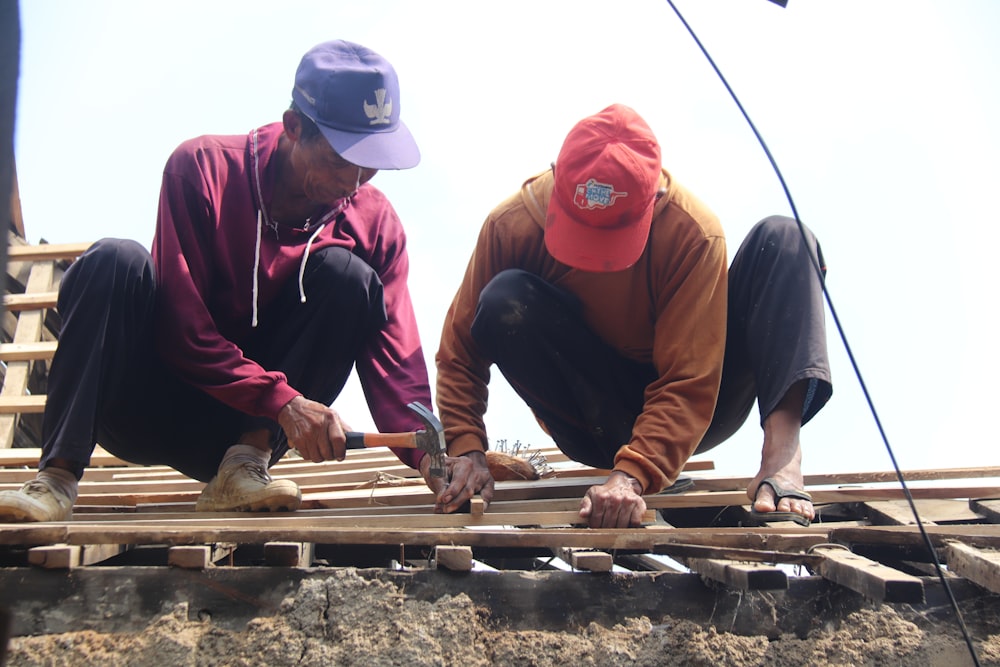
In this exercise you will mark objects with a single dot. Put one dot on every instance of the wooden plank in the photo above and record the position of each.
(27, 351)
(979, 566)
(646, 563)
(452, 557)
(729, 483)
(29, 456)
(28, 331)
(20, 302)
(289, 554)
(22, 404)
(586, 559)
(742, 576)
(667, 541)
(869, 578)
(198, 557)
(931, 511)
(56, 556)
(979, 535)
(418, 493)
(46, 251)
(988, 508)
(68, 556)
(265, 521)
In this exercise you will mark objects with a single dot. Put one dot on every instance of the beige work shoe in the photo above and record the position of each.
(247, 487)
(35, 501)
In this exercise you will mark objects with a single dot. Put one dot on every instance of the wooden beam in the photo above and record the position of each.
(586, 559)
(27, 351)
(742, 576)
(46, 251)
(200, 556)
(29, 456)
(452, 557)
(28, 332)
(669, 542)
(979, 566)
(68, 556)
(22, 404)
(728, 483)
(979, 535)
(19, 302)
(289, 554)
(988, 508)
(869, 578)
(931, 511)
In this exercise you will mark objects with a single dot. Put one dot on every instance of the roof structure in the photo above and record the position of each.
(700, 554)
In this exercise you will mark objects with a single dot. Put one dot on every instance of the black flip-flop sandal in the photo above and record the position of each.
(781, 492)
(680, 486)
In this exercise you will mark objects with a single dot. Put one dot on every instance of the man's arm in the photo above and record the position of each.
(689, 346)
(391, 366)
(188, 338)
(688, 350)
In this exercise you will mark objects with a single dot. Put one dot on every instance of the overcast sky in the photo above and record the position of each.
(882, 117)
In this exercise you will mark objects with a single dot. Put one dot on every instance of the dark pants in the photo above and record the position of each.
(107, 384)
(589, 396)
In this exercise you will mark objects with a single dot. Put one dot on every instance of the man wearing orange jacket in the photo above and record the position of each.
(601, 292)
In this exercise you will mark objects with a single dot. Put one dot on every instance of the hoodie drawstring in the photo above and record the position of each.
(256, 266)
(302, 266)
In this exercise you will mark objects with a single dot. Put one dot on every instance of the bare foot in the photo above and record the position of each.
(781, 459)
(765, 500)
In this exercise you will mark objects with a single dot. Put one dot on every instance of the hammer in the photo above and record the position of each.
(430, 439)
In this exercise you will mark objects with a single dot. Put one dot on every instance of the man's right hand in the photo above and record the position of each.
(469, 474)
(314, 430)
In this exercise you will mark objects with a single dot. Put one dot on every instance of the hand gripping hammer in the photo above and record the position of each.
(430, 439)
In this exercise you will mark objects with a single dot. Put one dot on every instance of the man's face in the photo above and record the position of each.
(327, 177)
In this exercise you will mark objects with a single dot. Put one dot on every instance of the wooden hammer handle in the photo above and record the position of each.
(356, 440)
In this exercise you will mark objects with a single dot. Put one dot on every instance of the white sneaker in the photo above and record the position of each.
(35, 501)
(247, 487)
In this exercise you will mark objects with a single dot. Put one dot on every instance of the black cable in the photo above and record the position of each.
(857, 371)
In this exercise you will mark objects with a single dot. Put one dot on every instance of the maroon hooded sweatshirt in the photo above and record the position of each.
(226, 264)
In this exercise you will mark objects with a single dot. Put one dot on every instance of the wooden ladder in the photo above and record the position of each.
(30, 332)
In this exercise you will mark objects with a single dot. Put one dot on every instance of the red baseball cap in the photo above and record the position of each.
(606, 179)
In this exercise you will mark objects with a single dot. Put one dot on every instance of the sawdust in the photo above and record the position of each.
(348, 620)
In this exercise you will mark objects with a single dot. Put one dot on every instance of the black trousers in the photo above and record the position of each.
(107, 384)
(589, 396)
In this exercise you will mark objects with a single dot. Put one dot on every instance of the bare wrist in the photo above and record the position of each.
(632, 481)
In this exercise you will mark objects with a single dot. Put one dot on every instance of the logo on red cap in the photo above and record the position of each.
(591, 195)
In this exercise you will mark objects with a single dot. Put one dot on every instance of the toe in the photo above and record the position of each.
(765, 499)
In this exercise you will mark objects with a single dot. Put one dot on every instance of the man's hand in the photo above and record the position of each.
(314, 429)
(469, 474)
(617, 503)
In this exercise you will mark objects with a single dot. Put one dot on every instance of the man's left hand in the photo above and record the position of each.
(467, 475)
(617, 503)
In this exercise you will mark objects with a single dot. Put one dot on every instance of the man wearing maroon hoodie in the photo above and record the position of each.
(275, 269)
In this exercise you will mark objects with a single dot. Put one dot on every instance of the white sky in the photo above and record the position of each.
(881, 115)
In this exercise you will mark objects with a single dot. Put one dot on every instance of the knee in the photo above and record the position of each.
(780, 231)
(505, 304)
(115, 253)
(345, 277)
(109, 265)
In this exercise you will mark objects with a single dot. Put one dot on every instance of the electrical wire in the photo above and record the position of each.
(857, 371)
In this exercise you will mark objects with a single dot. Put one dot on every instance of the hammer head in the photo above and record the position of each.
(431, 439)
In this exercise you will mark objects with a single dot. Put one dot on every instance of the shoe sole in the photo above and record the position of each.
(274, 501)
(26, 515)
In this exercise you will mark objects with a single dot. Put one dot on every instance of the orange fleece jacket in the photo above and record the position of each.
(668, 309)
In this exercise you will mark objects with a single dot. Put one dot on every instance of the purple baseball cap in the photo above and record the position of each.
(352, 94)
